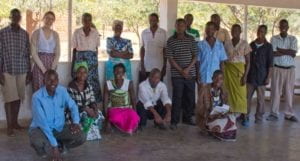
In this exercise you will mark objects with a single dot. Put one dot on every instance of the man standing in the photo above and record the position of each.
(283, 77)
(48, 132)
(152, 52)
(14, 68)
(261, 63)
(182, 54)
(154, 102)
(211, 55)
(221, 33)
(189, 18)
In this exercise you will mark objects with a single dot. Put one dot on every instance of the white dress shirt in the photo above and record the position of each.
(149, 96)
(154, 46)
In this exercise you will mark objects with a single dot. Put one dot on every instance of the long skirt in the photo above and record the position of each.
(125, 119)
(237, 94)
(109, 68)
(38, 76)
(92, 126)
(93, 78)
(224, 128)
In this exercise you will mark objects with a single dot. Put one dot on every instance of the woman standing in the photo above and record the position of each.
(236, 71)
(119, 50)
(45, 50)
(212, 113)
(85, 48)
(82, 93)
(119, 102)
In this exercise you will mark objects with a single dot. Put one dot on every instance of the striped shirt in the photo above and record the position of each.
(14, 51)
(289, 42)
(182, 51)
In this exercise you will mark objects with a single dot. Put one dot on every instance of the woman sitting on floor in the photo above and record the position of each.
(119, 102)
(212, 112)
(82, 93)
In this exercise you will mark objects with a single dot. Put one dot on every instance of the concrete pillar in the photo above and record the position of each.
(168, 14)
(245, 26)
(70, 9)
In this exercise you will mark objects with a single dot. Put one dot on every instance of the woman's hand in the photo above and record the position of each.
(244, 80)
(91, 112)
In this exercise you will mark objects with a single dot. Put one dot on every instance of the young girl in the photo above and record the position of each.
(220, 123)
(119, 102)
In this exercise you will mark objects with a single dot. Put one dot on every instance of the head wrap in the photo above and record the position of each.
(80, 64)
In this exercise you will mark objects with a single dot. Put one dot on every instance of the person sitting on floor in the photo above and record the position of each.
(154, 102)
(119, 102)
(82, 93)
(212, 112)
(48, 133)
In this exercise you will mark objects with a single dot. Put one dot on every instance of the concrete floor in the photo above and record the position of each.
(270, 141)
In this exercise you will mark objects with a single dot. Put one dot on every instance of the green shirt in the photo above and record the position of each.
(192, 32)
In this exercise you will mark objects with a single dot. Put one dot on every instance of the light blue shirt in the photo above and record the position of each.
(210, 59)
(48, 111)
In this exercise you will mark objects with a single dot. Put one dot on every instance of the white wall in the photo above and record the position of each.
(64, 78)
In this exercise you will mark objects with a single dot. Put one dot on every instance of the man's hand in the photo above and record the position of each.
(185, 73)
(158, 119)
(75, 128)
(2, 80)
(28, 78)
(56, 155)
(163, 72)
(143, 71)
(267, 81)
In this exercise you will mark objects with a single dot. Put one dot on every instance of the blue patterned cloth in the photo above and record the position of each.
(120, 45)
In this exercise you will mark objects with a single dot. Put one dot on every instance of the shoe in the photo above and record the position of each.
(160, 126)
(272, 118)
(189, 122)
(245, 123)
(258, 121)
(173, 127)
(140, 128)
(10, 132)
(292, 119)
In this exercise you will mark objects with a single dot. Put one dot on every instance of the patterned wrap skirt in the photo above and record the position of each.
(237, 94)
(38, 76)
(224, 128)
(93, 78)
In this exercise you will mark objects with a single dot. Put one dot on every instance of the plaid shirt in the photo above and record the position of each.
(84, 98)
(14, 51)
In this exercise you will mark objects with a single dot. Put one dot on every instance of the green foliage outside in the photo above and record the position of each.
(134, 13)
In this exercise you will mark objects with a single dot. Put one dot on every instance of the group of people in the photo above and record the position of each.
(226, 69)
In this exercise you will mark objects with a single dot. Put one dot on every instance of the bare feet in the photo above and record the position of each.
(10, 132)
(19, 127)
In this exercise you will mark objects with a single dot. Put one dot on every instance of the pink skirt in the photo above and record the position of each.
(38, 76)
(125, 119)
